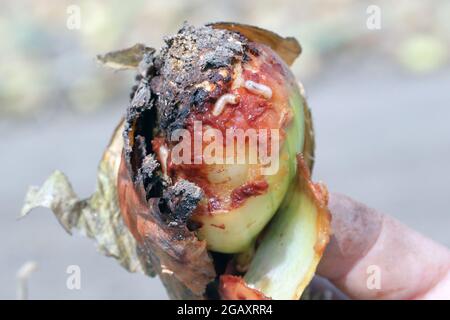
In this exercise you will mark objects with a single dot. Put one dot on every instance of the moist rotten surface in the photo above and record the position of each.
(166, 93)
(171, 87)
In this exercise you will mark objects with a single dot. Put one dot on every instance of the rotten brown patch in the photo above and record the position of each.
(235, 288)
(180, 259)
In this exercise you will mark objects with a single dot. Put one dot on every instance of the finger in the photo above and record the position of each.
(373, 256)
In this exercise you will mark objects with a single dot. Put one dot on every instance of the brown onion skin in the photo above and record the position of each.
(131, 203)
(181, 261)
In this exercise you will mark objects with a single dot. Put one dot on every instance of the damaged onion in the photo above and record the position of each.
(214, 179)
(219, 82)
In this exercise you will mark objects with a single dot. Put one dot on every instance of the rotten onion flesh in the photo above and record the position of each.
(243, 197)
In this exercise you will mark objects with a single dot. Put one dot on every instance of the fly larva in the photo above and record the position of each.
(223, 101)
(258, 88)
(238, 78)
(163, 153)
(166, 270)
(208, 86)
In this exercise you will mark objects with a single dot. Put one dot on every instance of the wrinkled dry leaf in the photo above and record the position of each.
(97, 217)
(125, 59)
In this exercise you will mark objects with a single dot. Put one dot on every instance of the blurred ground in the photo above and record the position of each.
(380, 102)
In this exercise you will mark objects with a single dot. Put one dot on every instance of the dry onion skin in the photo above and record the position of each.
(220, 230)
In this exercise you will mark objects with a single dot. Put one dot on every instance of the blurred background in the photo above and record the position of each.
(379, 90)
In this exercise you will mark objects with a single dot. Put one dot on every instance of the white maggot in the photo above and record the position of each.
(222, 102)
(258, 88)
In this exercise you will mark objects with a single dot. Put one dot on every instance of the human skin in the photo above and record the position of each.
(409, 265)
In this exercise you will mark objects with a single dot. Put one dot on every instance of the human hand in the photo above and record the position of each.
(374, 256)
